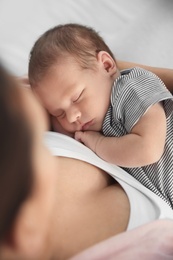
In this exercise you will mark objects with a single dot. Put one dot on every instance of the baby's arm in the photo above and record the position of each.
(142, 146)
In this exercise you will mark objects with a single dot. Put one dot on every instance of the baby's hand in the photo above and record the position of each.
(90, 138)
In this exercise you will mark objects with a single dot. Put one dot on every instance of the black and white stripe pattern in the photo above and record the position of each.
(132, 94)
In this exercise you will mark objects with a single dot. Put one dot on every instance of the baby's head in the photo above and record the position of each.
(71, 68)
(81, 42)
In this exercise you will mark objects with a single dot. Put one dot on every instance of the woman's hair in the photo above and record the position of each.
(16, 177)
(81, 42)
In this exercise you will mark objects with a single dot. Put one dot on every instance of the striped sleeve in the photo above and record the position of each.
(136, 92)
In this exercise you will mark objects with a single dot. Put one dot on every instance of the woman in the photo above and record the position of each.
(55, 207)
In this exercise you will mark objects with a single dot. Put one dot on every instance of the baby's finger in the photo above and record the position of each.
(78, 136)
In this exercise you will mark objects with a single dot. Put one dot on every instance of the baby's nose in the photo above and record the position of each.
(73, 115)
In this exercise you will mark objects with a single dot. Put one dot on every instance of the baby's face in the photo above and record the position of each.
(77, 98)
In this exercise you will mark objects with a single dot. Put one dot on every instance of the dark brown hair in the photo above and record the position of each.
(79, 41)
(15, 153)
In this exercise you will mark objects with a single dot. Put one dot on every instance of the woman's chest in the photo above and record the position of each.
(90, 218)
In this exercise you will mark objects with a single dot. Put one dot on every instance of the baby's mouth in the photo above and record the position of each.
(87, 125)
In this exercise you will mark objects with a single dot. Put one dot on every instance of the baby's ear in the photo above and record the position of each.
(109, 64)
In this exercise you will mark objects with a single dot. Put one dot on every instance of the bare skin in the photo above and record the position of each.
(89, 206)
(73, 204)
(95, 208)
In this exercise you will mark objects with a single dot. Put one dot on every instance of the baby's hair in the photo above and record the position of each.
(78, 41)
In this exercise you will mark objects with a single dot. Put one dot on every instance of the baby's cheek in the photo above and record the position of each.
(56, 127)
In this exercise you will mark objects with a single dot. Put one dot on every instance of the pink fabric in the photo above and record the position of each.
(153, 241)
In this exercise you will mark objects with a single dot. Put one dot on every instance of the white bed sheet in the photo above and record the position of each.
(136, 30)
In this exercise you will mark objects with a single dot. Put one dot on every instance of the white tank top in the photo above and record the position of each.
(145, 206)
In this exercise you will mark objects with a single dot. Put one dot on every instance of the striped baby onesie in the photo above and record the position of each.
(133, 92)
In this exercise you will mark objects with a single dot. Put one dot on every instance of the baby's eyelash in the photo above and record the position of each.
(61, 115)
(78, 97)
